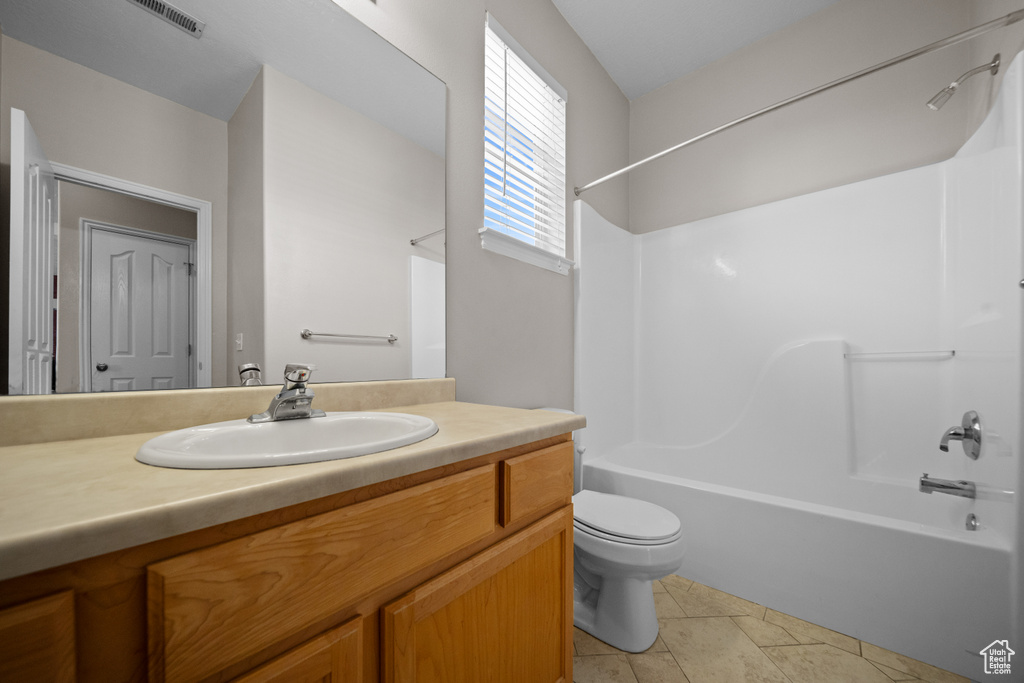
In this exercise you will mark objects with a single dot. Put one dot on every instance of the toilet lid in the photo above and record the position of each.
(624, 517)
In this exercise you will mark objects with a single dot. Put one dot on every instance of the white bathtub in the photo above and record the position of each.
(933, 594)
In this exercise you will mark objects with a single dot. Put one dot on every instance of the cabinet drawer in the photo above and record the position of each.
(536, 482)
(217, 606)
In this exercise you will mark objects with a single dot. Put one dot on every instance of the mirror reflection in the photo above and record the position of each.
(181, 206)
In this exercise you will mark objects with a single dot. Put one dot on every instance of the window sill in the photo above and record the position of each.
(500, 243)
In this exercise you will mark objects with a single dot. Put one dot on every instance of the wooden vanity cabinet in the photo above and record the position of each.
(459, 573)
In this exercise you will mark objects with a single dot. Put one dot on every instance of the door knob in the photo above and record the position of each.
(968, 434)
(102, 367)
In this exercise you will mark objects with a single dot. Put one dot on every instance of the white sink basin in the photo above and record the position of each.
(238, 443)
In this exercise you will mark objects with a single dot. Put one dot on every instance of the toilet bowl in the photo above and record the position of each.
(621, 545)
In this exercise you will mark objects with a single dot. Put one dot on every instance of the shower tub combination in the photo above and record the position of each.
(788, 425)
(763, 519)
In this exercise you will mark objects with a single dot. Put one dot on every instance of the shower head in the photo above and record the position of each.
(943, 96)
(940, 99)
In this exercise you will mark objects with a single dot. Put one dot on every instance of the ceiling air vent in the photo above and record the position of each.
(172, 15)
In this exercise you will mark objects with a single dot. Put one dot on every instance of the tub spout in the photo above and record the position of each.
(964, 489)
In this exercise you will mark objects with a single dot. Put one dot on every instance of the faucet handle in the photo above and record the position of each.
(249, 374)
(952, 434)
(968, 433)
(299, 373)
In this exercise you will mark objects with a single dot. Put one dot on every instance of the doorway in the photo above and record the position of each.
(200, 212)
(32, 341)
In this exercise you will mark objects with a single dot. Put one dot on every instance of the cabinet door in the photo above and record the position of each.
(334, 657)
(37, 640)
(504, 615)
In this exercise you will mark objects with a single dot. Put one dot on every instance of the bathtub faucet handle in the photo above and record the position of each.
(952, 434)
(968, 434)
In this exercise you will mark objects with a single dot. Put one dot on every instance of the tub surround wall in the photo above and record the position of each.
(721, 297)
(741, 389)
(607, 275)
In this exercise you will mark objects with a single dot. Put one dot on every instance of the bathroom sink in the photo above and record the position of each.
(238, 443)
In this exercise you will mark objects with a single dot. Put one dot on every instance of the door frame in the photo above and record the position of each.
(203, 346)
(87, 226)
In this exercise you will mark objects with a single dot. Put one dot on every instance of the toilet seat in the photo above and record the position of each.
(624, 520)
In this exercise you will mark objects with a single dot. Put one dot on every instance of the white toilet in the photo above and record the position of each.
(620, 545)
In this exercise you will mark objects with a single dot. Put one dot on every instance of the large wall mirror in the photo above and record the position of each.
(191, 192)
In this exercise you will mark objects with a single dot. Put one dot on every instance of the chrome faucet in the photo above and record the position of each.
(964, 489)
(294, 401)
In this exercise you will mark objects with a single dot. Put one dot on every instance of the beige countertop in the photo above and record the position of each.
(63, 501)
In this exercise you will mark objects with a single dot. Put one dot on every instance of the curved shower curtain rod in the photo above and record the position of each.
(1011, 18)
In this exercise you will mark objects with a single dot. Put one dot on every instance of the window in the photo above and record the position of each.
(524, 156)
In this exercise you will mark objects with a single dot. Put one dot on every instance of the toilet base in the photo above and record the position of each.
(620, 613)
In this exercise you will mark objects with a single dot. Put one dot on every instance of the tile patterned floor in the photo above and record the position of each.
(708, 636)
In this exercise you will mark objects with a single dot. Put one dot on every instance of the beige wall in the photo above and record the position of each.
(870, 127)
(245, 233)
(91, 121)
(1007, 41)
(78, 202)
(510, 325)
(342, 196)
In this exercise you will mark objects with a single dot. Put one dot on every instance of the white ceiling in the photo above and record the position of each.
(644, 44)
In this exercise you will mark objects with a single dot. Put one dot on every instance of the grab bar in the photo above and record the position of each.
(390, 339)
(901, 355)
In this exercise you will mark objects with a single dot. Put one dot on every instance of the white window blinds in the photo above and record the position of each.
(524, 152)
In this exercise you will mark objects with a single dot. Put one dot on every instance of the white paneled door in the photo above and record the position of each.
(33, 242)
(139, 310)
